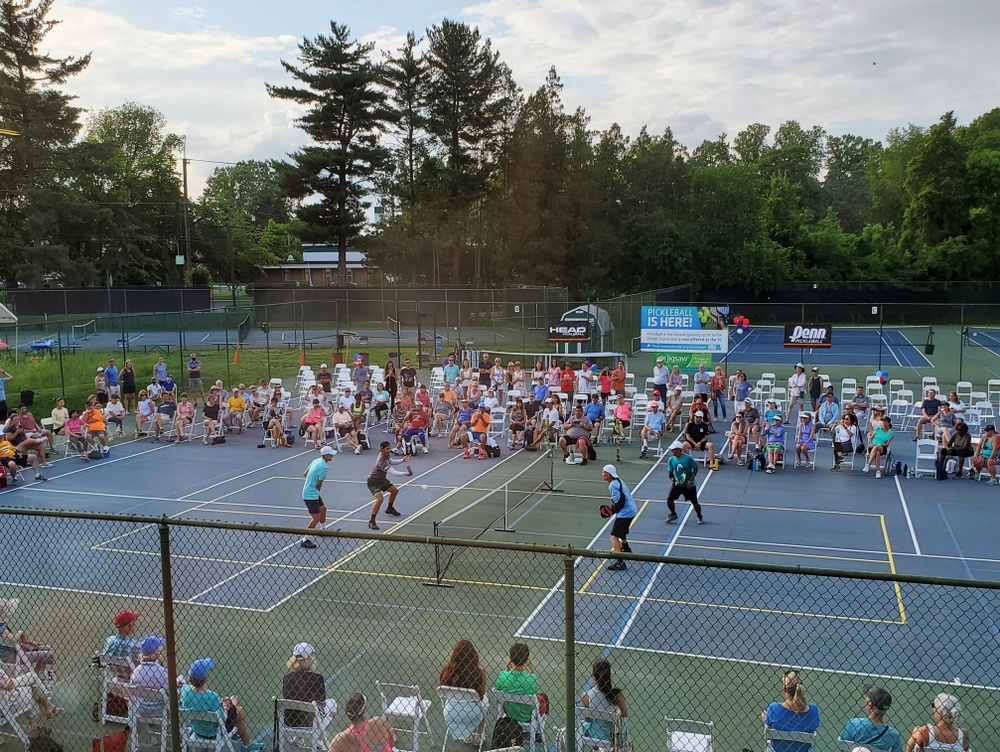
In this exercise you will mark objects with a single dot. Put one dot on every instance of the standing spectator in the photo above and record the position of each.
(793, 714)
(718, 392)
(360, 374)
(567, 380)
(127, 378)
(945, 733)
(624, 509)
(324, 378)
(815, 389)
(160, 371)
(101, 386)
(485, 371)
(498, 377)
(741, 388)
(702, 383)
(195, 384)
(4, 378)
(872, 730)
(618, 377)
(408, 376)
(519, 678)
(796, 388)
(661, 374)
(303, 683)
(391, 382)
(451, 370)
(467, 375)
(466, 720)
(112, 378)
(605, 697)
(584, 382)
(555, 375)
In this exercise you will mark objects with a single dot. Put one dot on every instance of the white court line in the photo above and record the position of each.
(767, 664)
(361, 549)
(205, 337)
(558, 587)
(906, 513)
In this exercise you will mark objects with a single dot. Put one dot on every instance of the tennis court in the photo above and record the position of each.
(677, 634)
(856, 346)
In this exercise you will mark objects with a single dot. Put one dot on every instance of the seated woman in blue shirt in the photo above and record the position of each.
(794, 714)
(774, 440)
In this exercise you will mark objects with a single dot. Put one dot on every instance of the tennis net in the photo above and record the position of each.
(83, 331)
(493, 510)
(244, 330)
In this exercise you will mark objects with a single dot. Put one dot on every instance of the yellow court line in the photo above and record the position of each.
(892, 568)
(793, 554)
(731, 607)
(599, 568)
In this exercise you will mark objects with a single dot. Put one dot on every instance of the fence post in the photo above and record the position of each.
(62, 376)
(569, 601)
(168, 621)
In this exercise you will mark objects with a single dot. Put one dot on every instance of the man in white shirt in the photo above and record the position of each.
(115, 412)
(347, 400)
(796, 388)
(583, 378)
(490, 400)
(661, 374)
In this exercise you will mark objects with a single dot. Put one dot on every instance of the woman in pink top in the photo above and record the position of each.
(555, 376)
(424, 397)
(362, 734)
(75, 430)
(185, 416)
(312, 423)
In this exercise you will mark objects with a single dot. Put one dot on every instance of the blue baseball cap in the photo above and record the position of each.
(151, 644)
(200, 668)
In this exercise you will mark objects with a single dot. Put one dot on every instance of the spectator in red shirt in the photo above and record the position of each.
(567, 380)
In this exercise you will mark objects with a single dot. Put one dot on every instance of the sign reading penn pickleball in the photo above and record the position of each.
(569, 331)
(684, 329)
(813, 335)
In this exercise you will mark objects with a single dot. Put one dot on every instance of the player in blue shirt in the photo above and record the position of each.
(652, 428)
(315, 475)
(624, 509)
(682, 469)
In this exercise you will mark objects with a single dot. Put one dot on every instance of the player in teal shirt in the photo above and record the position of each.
(682, 469)
(315, 475)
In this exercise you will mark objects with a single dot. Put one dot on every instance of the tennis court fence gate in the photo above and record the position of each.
(706, 641)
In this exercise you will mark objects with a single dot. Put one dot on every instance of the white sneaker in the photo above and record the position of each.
(864, 469)
(425, 450)
(878, 474)
(357, 450)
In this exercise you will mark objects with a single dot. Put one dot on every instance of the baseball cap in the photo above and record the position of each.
(990, 427)
(322, 365)
(699, 414)
(151, 644)
(678, 389)
(675, 445)
(99, 369)
(879, 698)
(816, 370)
(748, 401)
(125, 617)
(303, 650)
(328, 452)
(610, 470)
(777, 416)
(384, 444)
(200, 668)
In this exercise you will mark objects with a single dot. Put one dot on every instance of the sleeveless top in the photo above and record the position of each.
(361, 733)
(936, 744)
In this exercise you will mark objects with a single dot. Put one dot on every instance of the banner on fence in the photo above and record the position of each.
(569, 331)
(683, 329)
(817, 335)
(687, 362)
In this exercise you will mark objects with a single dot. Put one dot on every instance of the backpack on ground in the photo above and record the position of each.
(492, 451)
(951, 466)
(289, 437)
(4, 480)
(363, 441)
(218, 440)
(940, 470)
(95, 454)
(507, 733)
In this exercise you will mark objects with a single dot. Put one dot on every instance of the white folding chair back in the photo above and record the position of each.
(310, 737)
(993, 391)
(17, 708)
(148, 711)
(848, 387)
(683, 735)
(533, 728)
(894, 386)
(964, 391)
(465, 698)
(191, 742)
(800, 737)
(405, 710)
(116, 673)
(925, 458)
(585, 743)
(872, 383)
(929, 382)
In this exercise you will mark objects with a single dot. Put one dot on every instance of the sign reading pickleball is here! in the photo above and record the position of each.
(811, 335)
(686, 329)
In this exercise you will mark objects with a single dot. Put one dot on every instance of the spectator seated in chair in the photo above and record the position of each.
(97, 431)
(595, 414)
(945, 733)
(312, 423)
(210, 417)
(519, 678)
(872, 731)
(17, 436)
(362, 734)
(185, 417)
(343, 424)
(805, 442)
(738, 437)
(518, 421)
(958, 445)
(774, 442)
(880, 441)
(928, 409)
(829, 413)
(944, 423)
(75, 432)
(123, 644)
(274, 416)
(197, 696)
(38, 655)
(31, 429)
(416, 430)
(577, 432)
(986, 455)
(14, 459)
(303, 683)
(235, 406)
(151, 673)
(751, 415)
(673, 406)
(164, 416)
(114, 412)
(479, 427)
(603, 696)
(380, 402)
(696, 437)
(652, 428)
(444, 410)
(466, 719)
(144, 413)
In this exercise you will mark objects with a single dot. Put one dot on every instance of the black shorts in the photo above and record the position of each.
(957, 452)
(314, 505)
(21, 460)
(621, 526)
(345, 430)
(690, 493)
(374, 488)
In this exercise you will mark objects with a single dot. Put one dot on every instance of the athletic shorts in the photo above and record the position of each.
(313, 505)
(477, 436)
(688, 492)
(374, 488)
(620, 528)
(345, 430)
(195, 384)
(115, 390)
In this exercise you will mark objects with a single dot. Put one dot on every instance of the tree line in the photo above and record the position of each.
(477, 181)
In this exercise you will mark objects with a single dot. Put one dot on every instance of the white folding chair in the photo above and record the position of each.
(894, 386)
(683, 735)
(17, 711)
(964, 391)
(311, 721)
(800, 737)
(192, 742)
(588, 743)
(993, 391)
(405, 710)
(149, 712)
(927, 453)
(470, 706)
(929, 382)
(848, 388)
(533, 728)
(115, 676)
(873, 383)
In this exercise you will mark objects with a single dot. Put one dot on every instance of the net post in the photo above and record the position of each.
(438, 566)
(505, 527)
(550, 484)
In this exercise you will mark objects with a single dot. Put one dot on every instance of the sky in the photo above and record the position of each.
(700, 67)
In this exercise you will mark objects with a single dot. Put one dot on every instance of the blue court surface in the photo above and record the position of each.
(856, 346)
(988, 339)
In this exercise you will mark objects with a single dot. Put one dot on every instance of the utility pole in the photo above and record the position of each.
(187, 226)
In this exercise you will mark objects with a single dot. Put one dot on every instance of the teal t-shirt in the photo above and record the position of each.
(207, 701)
(879, 737)
(881, 437)
(518, 683)
(681, 467)
(315, 475)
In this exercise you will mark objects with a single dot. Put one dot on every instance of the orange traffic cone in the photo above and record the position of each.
(236, 357)
(302, 357)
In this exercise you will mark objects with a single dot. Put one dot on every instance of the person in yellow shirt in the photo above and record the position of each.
(11, 460)
(236, 404)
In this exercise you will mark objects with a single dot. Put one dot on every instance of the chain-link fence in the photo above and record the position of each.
(246, 612)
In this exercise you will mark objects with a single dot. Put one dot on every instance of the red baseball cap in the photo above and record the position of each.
(125, 617)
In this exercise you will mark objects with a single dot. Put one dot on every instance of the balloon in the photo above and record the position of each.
(739, 330)
(746, 322)
(882, 380)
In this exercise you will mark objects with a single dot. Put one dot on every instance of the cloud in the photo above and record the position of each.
(194, 13)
